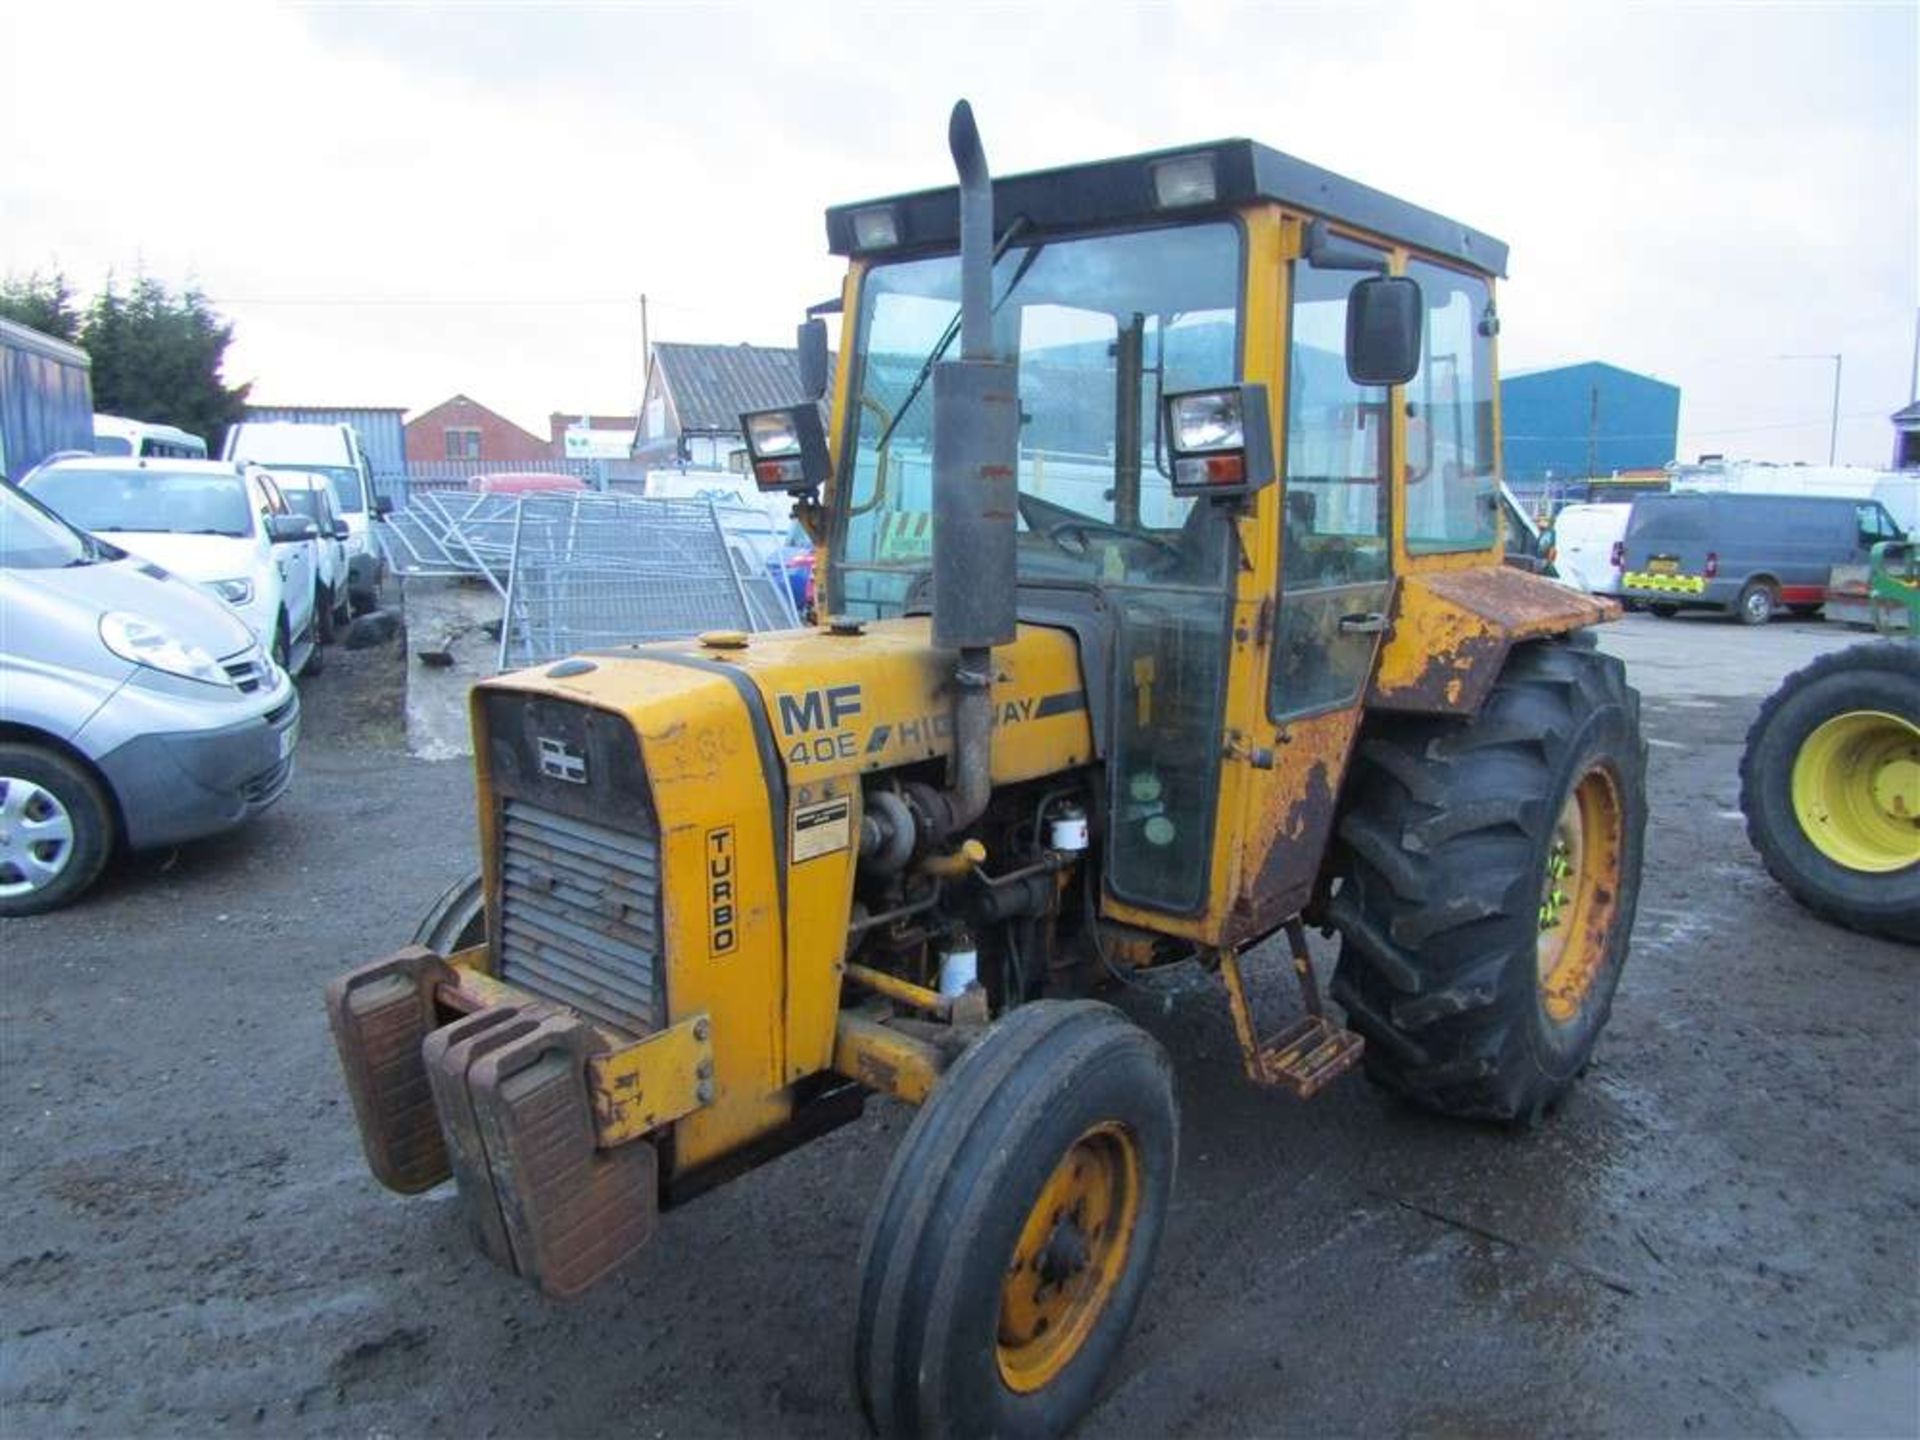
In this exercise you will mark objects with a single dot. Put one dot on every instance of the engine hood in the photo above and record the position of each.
(832, 704)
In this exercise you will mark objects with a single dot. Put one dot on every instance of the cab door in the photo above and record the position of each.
(1332, 599)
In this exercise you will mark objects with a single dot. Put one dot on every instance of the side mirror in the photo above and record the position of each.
(288, 529)
(1384, 315)
(382, 506)
(340, 530)
(812, 336)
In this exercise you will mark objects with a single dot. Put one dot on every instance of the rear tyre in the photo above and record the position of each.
(1016, 1228)
(1830, 786)
(457, 920)
(56, 830)
(1490, 871)
(1803, 612)
(1756, 604)
(1665, 612)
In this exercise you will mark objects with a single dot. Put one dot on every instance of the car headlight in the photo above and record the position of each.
(145, 643)
(234, 592)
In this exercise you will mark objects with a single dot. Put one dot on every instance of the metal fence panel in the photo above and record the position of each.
(593, 571)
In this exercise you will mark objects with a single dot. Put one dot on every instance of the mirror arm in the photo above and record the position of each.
(1325, 252)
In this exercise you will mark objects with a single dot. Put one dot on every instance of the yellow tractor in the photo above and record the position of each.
(1156, 504)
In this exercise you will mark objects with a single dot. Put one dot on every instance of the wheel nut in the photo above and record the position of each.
(705, 1092)
(702, 1028)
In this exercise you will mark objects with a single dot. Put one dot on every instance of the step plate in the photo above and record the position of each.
(380, 1013)
(1309, 1054)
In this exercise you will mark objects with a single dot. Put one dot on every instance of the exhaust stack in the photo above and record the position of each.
(976, 440)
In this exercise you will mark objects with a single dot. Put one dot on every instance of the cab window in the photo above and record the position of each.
(1451, 463)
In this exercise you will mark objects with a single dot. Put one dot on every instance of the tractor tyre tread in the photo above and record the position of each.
(1441, 858)
(916, 1358)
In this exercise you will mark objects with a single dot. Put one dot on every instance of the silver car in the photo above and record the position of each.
(135, 710)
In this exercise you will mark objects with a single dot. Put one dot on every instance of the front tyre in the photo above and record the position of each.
(457, 920)
(1830, 786)
(1490, 874)
(56, 830)
(1016, 1228)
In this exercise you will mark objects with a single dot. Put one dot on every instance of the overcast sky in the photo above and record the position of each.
(397, 202)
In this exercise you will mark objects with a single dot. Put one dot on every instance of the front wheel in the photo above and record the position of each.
(1830, 786)
(1016, 1228)
(56, 830)
(457, 920)
(1491, 869)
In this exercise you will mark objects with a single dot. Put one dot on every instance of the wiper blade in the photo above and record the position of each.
(947, 336)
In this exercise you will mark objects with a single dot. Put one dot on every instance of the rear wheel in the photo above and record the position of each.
(1756, 604)
(1830, 786)
(1665, 612)
(56, 830)
(1490, 874)
(1016, 1228)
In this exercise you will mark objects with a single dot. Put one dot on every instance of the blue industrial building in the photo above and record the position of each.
(1590, 420)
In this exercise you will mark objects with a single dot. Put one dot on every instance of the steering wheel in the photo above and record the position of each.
(1086, 528)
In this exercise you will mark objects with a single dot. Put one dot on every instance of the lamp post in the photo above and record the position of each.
(1833, 430)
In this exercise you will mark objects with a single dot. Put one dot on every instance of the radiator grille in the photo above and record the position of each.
(580, 914)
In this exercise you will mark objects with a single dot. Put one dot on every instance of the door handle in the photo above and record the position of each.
(1368, 624)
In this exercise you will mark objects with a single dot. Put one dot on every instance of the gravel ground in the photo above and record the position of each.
(1715, 1235)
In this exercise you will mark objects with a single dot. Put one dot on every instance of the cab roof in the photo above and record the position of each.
(1107, 192)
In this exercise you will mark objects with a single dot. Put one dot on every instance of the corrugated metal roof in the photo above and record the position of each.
(712, 384)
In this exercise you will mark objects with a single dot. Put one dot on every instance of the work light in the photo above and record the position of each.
(875, 229)
(786, 449)
(1219, 440)
(1184, 180)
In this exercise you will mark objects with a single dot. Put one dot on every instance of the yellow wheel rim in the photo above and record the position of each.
(1579, 895)
(1069, 1258)
(1856, 791)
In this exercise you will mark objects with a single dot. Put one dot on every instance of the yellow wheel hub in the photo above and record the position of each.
(1579, 895)
(1856, 791)
(1069, 1258)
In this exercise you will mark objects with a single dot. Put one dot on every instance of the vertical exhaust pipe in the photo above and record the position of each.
(976, 443)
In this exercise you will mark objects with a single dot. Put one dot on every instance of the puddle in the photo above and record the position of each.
(1858, 1393)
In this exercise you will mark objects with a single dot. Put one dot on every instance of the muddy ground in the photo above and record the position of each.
(1716, 1235)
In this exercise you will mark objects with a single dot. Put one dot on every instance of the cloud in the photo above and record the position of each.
(396, 202)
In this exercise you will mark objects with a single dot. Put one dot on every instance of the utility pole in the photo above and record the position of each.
(1833, 429)
(1833, 432)
(1913, 376)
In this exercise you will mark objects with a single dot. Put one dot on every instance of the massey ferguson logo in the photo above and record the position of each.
(559, 761)
(723, 926)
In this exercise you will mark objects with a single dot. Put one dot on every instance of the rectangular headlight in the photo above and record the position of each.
(772, 433)
(1207, 420)
(787, 449)
(1184, 180)
(1220, 441)
(875, 229)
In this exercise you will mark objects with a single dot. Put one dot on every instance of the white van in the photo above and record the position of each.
(225, 527)
(116, 435)
(1584, 545)
(332, 450)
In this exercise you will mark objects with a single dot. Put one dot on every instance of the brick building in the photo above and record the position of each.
(464, 429)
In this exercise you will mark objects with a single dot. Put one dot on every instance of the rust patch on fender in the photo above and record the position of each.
(1452, 630)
